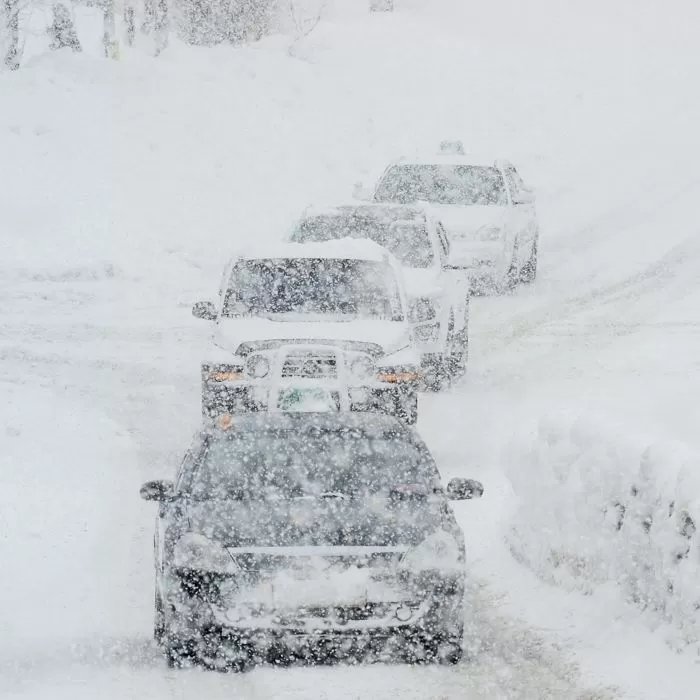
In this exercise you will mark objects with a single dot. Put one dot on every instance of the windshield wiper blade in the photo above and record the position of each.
(334, 494)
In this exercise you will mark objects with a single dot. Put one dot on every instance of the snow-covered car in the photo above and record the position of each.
(299, 326)
(419, 242)
(308, 533)
(486, 208)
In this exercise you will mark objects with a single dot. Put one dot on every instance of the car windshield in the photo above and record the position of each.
(407, 239)
(353, 289)
(283, 464)
(442, 184)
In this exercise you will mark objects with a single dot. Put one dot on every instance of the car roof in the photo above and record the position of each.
(340, 249)
(369, 423)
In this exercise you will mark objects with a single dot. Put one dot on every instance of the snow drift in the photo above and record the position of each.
(597, 507)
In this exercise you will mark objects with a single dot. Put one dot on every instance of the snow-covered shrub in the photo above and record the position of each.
(597, 507)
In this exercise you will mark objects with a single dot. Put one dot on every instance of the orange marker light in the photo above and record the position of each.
(225, 421)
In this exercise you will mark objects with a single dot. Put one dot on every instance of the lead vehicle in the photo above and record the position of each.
(324, 534)
(299, 326)
(486, 208)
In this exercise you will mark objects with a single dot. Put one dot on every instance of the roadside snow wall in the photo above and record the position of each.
(599, 508)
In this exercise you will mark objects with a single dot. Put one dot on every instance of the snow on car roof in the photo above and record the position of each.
(343, 248)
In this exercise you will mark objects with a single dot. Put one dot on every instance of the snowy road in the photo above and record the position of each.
(131, 181)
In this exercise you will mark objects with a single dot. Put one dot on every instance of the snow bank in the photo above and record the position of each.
(600, 507)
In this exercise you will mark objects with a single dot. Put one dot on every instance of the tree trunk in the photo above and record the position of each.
(162, 27)
(109, 37)
(11, 16)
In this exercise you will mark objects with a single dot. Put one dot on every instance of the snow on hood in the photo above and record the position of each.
(463, 220)
(422, 282)
(390, 335)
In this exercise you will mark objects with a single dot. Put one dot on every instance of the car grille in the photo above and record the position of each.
(274, 562)
(310, 365)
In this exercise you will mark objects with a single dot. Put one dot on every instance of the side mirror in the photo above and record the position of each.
(205, 310)
(359, 191)
(421, 310)
(459, 489)
(159, 490)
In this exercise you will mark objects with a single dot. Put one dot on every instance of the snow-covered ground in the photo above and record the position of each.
(123, 185)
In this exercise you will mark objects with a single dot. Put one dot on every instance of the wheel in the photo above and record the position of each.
(458, 354)
(529, 271)
(178, 652)
(511, 276)
(407, 408)
(445, 647)
(434, 372)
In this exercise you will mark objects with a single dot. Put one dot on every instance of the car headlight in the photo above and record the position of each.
(489, 233)
(222, 373)
(362, 367)
(398, 375)
(257, 366)
(437, 552)
(200, 553)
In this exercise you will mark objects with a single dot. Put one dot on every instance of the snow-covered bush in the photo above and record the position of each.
(597, 507)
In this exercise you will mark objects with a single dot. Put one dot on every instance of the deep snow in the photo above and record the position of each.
(124, 187)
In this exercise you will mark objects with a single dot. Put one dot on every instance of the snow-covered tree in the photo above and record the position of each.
(9, 33)
(62, 30)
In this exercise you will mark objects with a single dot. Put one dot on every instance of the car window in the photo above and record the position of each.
(312, 287)
(442, 184)
(274, 464)
(407, 239)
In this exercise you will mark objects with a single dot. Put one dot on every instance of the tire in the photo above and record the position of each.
(446, 648)
(407, 408)
(511, 278)
(434, 375)
(178, 652)
(529, 272)
(458, 355)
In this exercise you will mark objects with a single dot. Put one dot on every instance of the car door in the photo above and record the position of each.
(524, 213)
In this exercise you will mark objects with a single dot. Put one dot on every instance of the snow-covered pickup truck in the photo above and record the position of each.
(312, 327)
(486, 208)
(433, 280)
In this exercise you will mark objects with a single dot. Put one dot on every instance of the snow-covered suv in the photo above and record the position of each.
(298, 327)
(419, 243)
(485, 206)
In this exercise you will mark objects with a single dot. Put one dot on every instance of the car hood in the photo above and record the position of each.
(316, 522)
(422, 282)
(379, 337)
(464, 220)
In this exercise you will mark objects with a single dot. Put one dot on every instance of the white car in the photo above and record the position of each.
(485, 206)
(311, 327)
(419, 243)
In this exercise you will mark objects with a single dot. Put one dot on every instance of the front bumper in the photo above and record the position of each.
(324, 372)
(430, 614)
